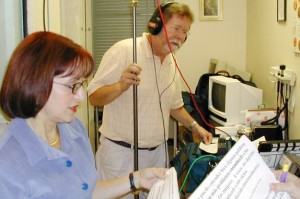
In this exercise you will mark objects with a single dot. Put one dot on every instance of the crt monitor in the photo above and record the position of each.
(228, 99)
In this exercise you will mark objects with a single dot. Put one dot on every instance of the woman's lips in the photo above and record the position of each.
(73, 108)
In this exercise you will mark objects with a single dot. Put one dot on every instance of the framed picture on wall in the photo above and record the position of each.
(281, 10)
(296, 27)
(211, 10)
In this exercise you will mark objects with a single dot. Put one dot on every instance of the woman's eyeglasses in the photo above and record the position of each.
(75, 87)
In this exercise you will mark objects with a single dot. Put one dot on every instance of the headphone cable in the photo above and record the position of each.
(159, 100)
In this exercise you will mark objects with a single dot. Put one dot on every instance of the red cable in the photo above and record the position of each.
(176, 64)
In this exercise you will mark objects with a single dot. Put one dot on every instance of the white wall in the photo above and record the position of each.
(224, 40)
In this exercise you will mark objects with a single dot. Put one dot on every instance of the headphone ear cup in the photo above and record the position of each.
(155, 23)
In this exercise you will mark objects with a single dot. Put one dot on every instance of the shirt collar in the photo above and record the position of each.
(34, 147)
(146, 45)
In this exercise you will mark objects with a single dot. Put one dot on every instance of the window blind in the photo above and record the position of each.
(112, 21)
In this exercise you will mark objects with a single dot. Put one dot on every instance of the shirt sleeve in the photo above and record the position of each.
(112, 65)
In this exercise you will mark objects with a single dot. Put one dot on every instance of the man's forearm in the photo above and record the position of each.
(105, 94)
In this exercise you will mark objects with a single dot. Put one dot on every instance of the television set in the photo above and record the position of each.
(228, 99)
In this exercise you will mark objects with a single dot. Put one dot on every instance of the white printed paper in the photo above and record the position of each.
(242, 173)
(165, 188)
(210, 148)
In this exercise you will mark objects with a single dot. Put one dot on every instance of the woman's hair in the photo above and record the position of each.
(40, 57)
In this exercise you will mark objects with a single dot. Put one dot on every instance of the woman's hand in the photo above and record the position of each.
(145, 178)
(291, 186)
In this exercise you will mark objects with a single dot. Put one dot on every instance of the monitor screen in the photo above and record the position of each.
(219, 97)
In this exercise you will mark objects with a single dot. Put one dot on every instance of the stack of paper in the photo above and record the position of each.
(242, 173)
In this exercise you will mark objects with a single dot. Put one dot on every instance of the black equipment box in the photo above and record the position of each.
(271, 132)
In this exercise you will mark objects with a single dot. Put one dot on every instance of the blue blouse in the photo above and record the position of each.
(30, 168)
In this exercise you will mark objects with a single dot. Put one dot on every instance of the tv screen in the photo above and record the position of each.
(219, 97)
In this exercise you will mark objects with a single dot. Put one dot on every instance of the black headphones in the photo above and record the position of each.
(155, 23)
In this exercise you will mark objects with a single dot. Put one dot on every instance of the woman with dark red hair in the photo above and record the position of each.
(45, 151)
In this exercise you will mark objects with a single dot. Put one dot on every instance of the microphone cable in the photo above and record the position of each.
(159, 100)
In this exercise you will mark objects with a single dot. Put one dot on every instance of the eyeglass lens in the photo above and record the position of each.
(179, 30)
(76, 86)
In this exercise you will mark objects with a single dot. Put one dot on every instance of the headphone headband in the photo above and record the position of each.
(155, 23)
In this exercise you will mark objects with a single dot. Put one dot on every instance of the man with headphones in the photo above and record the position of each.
(158, 91)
